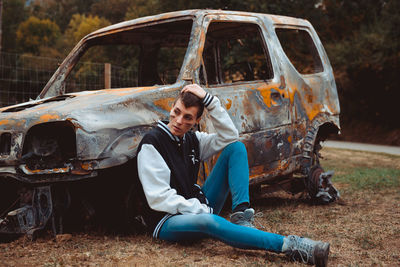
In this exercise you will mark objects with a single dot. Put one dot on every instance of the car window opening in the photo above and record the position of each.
(234, 52)
(300, 49)
(145, 56)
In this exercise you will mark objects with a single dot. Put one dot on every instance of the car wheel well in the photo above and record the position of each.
(50, 143)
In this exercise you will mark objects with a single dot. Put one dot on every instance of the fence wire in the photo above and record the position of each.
(22, 77)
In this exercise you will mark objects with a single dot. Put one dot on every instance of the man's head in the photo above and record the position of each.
(185, 113)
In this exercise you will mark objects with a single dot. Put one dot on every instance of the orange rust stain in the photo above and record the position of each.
(265, 92)
(313, 110)
(55, 170)
(229, 104)
(256, 171)
(206, 168)
(133, 90)
(165, 103)
(202, 37)
(2, 122)
(86, 166)
(80, 172)
(308, 100)
(48, 117)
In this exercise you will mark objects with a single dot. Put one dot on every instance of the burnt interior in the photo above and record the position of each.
(49, 145)
(5, 144)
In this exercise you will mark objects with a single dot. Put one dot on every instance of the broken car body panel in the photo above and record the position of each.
(282, 102)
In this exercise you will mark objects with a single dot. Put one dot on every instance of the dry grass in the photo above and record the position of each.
(363, 229)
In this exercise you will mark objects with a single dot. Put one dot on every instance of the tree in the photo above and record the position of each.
(113, 10)
(13, 14)
(60, 11)
(81, 25)
(35, 33)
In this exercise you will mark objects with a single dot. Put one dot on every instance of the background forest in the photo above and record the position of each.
(361, 39)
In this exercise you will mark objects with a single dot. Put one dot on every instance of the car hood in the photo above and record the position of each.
(116, 108)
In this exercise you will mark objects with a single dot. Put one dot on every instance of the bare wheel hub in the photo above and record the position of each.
(320, 187)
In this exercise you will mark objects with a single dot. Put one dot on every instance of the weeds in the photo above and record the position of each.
(370, 178)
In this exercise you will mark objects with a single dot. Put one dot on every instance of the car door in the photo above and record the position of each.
(237, 68)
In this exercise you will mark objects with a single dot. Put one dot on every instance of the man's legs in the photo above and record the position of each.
(230, 174)
(194, 227)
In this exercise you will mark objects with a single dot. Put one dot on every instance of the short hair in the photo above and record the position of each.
(191, 100)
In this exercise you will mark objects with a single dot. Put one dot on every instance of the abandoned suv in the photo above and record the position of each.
(72, 150)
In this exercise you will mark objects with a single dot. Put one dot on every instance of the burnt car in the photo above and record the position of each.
(73, 148)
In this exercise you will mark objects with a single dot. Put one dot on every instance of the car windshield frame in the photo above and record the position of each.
(56, 84)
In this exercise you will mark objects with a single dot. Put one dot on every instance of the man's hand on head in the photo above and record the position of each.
(195, 89)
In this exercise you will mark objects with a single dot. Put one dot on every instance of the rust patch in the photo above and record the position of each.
(48, 117)
(3, 122)
(165, 103)
(229, 104)
(256, 171)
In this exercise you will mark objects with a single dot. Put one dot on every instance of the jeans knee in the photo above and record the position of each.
(206, 222)
(236, 147)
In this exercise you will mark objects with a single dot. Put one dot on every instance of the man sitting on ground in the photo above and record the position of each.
(177, 209)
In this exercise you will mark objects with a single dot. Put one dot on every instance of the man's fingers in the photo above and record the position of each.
(195, 89)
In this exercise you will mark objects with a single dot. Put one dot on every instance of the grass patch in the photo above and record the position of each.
(369, 178)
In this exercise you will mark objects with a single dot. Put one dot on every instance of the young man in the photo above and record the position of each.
(177, 209)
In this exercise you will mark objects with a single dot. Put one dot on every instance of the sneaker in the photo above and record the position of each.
(306, 250)
(243, 218)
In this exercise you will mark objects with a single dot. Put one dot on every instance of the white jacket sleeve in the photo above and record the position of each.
(226, 131)
(154, 175)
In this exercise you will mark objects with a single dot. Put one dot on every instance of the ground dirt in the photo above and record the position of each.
(363, 229)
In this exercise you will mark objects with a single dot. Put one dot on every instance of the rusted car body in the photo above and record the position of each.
(270, 72)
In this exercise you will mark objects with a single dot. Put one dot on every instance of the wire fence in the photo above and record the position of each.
(22, 77)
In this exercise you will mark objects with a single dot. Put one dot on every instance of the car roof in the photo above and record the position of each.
(275, 19)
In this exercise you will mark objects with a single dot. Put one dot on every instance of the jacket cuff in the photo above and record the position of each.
(208, 99)
(211, 210)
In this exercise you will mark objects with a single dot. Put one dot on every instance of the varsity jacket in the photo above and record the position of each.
(168, 166)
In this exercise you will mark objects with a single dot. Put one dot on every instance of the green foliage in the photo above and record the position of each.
(35, 33)
(60, 11)
(363, 44)
(370, 178)
(81, 25)
(113, 10)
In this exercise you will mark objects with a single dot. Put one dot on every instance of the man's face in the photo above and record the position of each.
(182, 119)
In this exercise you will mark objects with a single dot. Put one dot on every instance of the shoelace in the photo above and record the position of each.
(302, 248)
(255, 221)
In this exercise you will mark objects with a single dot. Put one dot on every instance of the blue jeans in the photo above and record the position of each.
(230, 174)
